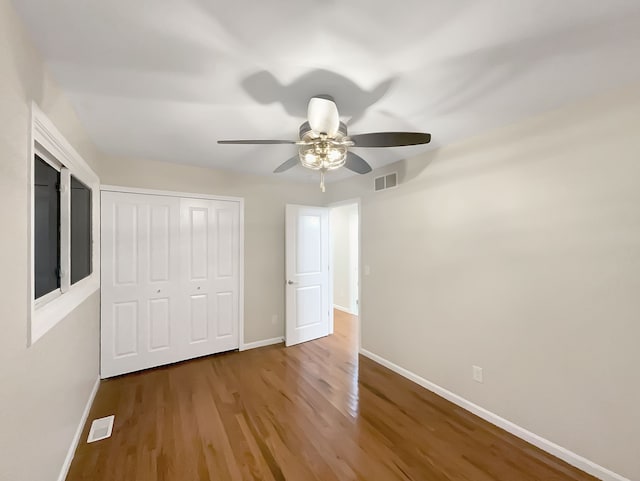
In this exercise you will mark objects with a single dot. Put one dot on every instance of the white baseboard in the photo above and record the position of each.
(550, 447)
(76, 438)
(264, 342)
(344, 309)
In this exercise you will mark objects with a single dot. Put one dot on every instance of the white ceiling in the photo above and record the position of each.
(165, 79)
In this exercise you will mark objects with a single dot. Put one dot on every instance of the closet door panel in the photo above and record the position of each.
(159, 324)
(226, 280)
(199, 316)
(125, 317)
(160, 243)
(226, 255)
(210, 243)
(140, 270)
(225, 314)
(125, 255)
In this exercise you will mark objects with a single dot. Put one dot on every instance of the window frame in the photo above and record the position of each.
(51, 146)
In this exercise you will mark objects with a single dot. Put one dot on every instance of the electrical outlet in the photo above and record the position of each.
(477, 373)
(367, 270)
(274, 319)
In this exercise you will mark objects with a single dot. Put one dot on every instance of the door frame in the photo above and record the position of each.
(358, 202)
(192, 195)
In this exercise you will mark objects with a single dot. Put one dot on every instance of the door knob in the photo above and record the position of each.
(291, 282)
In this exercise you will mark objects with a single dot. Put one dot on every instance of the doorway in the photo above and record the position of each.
(344, 222)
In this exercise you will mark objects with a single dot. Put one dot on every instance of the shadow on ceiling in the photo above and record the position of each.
(476, 74)
(352, 100)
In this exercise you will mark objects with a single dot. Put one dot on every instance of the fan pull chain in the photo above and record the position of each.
(322, 180)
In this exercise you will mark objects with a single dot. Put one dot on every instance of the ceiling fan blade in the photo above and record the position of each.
(357, 164)
(289, 164)
(256, 141)
(323, 117)
(390, 139)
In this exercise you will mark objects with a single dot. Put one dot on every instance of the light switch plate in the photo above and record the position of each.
(477, 373)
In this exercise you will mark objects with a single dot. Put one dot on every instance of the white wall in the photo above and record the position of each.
(519, 251)
(265, 200)
(43, 388)
(344, 245)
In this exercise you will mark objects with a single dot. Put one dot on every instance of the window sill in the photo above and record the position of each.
(45, 317)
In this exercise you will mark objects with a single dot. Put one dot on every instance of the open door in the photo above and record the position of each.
(307, 271)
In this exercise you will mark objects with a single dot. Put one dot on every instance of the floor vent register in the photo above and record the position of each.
(100, 429)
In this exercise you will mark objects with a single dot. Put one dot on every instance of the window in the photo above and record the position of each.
(80, 230)
(47, 185)
(64, 228)
(46, 189)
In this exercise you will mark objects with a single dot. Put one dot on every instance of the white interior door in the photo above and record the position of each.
(170, 280)
(307, 270)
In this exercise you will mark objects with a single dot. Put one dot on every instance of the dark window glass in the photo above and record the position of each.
(46, 228)
(80, 230)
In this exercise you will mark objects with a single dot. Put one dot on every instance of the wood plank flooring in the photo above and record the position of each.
(315, 411)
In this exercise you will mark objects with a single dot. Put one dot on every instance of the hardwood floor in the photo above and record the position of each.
(315, 411)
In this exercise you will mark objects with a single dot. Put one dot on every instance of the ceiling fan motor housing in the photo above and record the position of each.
(307, 133)
(322, 114)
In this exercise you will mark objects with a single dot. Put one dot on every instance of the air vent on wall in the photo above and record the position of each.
(100, 429)
(386, 182)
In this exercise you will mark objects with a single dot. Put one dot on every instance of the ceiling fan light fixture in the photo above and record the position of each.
(321, 156)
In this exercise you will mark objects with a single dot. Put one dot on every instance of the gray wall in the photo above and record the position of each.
(43, 388)
(519, 251)
(265, 200)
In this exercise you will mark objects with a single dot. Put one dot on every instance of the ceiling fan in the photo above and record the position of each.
(324, 143)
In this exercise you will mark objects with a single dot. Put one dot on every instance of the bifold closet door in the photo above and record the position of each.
(140, 282)
(170, 280)
(209, 233)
